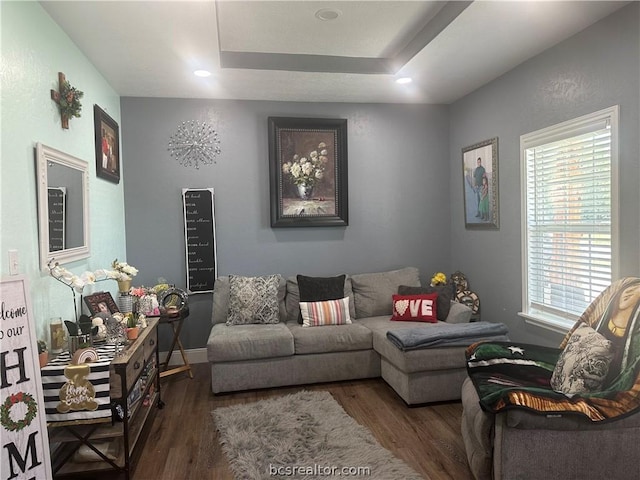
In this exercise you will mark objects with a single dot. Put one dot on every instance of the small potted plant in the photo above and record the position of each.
(132, 326)
(43, 353)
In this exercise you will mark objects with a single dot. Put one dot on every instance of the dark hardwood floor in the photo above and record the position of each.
(183, 442)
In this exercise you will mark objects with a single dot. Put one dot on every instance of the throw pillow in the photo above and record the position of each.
(330, 312)
(253, 300)
(319, 289)
(583, 364)
(445, 295)
(415, 308)
(372, 291)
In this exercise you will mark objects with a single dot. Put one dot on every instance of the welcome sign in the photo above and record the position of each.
(24, 438)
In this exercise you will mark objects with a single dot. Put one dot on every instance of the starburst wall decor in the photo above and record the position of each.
(194, 143)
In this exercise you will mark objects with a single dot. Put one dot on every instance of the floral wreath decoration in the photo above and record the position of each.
(69, 103)
(5, 409)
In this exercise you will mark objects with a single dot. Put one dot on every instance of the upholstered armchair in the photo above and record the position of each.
(572, 412)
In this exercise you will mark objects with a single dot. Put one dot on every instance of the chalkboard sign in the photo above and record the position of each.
(200, 239)
(57, 209)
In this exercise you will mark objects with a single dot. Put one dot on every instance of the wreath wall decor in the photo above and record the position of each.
(5, 411)
(68, 99)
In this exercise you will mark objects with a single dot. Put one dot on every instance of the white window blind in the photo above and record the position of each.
(569, 215)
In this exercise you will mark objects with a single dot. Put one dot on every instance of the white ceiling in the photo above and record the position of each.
(279, 50)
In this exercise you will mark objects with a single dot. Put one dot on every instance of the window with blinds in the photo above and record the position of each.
(569, 221)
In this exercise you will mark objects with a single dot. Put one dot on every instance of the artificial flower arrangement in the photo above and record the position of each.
(438, 278)
(123, 271)
(307, 170)
(147, 302)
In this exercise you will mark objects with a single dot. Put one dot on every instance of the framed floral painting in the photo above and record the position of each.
(480, 185)
(308, 172)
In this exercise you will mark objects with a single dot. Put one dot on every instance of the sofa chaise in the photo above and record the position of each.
(254, 356)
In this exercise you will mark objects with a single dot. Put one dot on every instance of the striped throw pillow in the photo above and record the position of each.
(329, 312)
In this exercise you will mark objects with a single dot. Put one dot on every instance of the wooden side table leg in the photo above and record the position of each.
(186, 367)
(176, 337)
(184, 359)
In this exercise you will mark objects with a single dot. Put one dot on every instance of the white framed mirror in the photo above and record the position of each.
(63, 206)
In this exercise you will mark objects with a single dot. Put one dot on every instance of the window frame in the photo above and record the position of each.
(561, 323)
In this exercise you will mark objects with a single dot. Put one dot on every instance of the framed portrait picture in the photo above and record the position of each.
(107, 137)
(100, 302)
(308, 172)
(480, 185)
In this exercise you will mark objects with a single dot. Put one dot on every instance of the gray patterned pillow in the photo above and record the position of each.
(253, 300)
(583, 364)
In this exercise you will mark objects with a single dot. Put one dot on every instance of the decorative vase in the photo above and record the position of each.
(132, 333)
(57, 335)
(148, 304)
(43, 358)
(77, 342)
(305, 192)
(124, 286)
(125, 302)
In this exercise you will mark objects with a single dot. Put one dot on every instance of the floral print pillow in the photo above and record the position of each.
(253, 300)
(583, 364)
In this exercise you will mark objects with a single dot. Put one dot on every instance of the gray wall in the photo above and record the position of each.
(398, 194)
(595, 69)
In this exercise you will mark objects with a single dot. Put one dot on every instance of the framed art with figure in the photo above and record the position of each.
(107, 138)
(480, 185)
(308, 172)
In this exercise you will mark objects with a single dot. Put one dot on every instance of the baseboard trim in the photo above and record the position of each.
(194, 355)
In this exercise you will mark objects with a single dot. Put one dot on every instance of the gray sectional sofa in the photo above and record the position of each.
(254, 356)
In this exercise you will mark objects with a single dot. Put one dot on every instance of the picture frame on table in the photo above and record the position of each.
(101, 302)
(308, 172)
(107, 145)
(480, 185)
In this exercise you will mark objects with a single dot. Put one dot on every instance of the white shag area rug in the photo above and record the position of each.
(305, 435)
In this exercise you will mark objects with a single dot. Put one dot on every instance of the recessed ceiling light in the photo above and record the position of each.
(202, 73)
(404, 80)
(328, 14)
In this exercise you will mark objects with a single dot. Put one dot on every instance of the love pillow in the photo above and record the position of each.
(415, 308)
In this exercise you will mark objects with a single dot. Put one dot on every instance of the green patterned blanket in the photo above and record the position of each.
(510, 375)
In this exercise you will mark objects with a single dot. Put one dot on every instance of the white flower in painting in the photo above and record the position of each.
(307, 168)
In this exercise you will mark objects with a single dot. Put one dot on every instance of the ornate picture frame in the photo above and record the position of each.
(107, 144)
(480, 185)
(101, 302)
(308, 172)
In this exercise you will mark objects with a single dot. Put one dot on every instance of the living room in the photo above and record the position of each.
(406, 201)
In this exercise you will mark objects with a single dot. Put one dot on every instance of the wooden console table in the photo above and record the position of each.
(134, 389)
